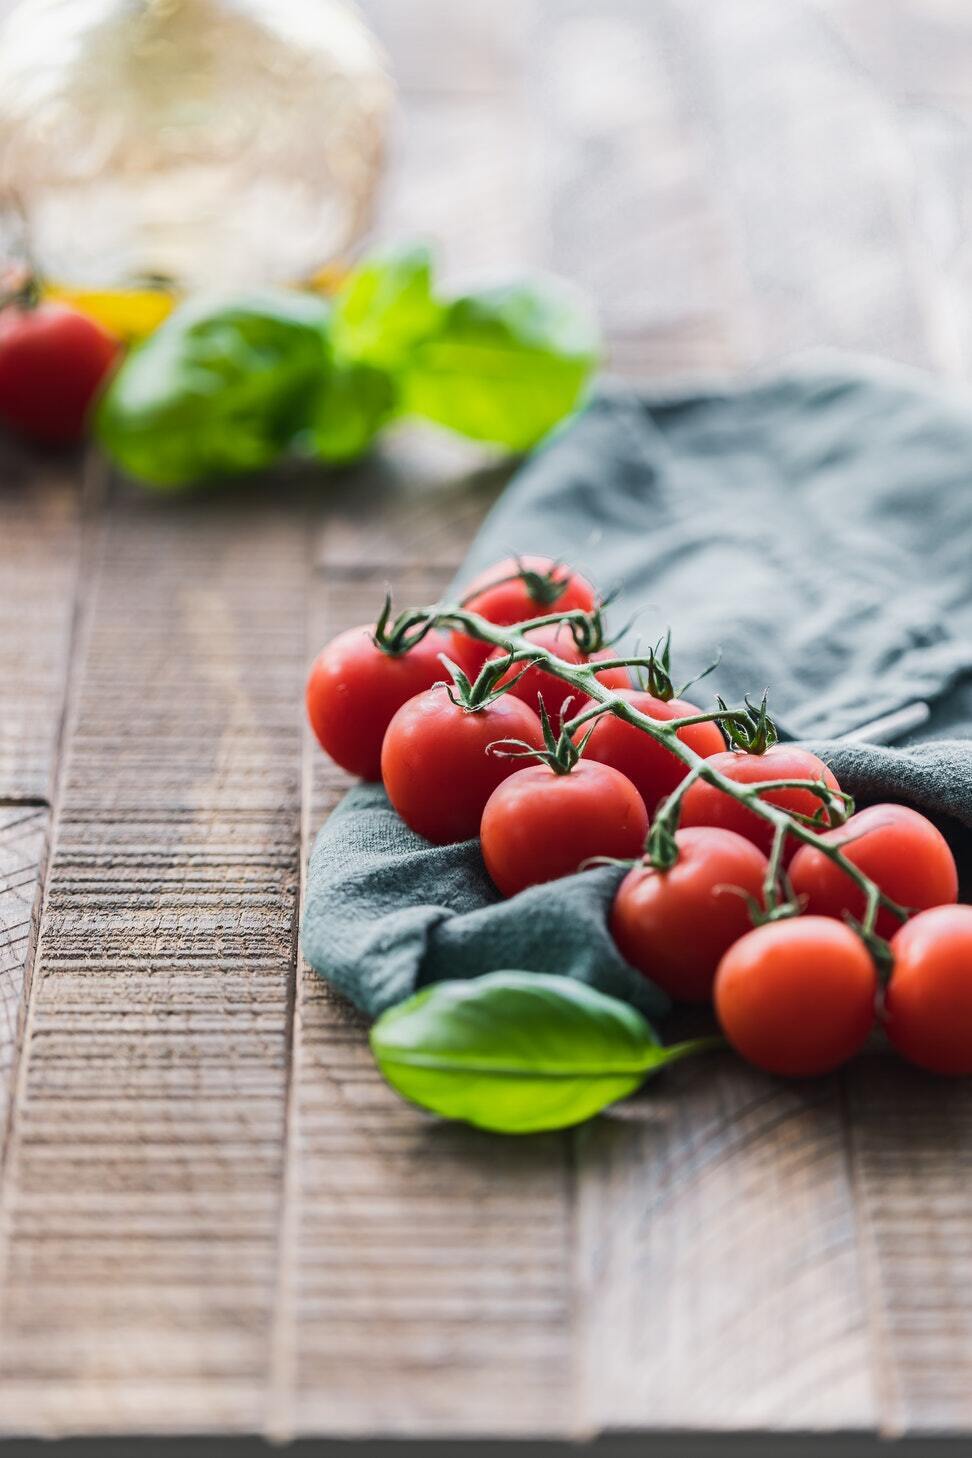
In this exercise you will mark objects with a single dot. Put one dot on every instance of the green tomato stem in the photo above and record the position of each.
(594, 711)
(599, 665)
(675, 1052)
(774, 866)
(712, 716)
(582, 678)
(871, 909)
(661, 845)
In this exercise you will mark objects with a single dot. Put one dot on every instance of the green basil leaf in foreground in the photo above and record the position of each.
(385, 307)
(220, 388)
(505, 365)
(354, 402)
(517, 1052)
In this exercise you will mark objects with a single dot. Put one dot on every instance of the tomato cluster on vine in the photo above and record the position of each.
(752, 881)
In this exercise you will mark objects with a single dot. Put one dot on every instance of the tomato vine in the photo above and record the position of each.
(748, 726)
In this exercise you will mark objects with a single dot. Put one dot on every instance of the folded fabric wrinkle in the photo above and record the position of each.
(808, 524)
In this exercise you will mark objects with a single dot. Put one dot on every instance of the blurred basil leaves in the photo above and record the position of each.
(227, 386)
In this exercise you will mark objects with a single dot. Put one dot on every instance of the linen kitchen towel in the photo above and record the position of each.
(817, 527)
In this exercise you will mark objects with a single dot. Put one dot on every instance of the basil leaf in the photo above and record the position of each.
(354, 402)
(220, 388)
(516, 1051)
(226, 387)
(385, 307)
(505, 365)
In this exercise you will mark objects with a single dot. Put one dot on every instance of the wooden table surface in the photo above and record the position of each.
(215, 1217)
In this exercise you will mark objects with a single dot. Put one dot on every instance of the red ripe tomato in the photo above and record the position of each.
(354, 688)
(928, 1004)
(540, 825)
(675, 925)
(650, 766)
(797, 997)
(535, 684)
(705, 805)
(435, 763)
(896, 847)
(506, 602)
(53, 361)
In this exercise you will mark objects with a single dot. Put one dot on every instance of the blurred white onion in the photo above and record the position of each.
(198, 142)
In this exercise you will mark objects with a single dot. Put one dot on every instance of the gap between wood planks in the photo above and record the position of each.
(282, 1369)
(93, 487)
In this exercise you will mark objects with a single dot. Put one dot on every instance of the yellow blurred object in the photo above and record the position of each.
(328, 280)
(134, 313)
(131, 315)
(149, 148)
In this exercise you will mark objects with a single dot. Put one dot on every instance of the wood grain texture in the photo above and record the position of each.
(40, 542)
(820, 177)
(869, 147)
(721, 1277)
(634, 212)
(911, 1160)
(23, 855)
(141, 1203)
(721, 1273)
(428, 1270)
(418, 510)
(40, 553)
(914, 60)
(214, 1216)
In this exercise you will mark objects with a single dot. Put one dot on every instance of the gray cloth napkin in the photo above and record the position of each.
(817, 527)
(387, 913)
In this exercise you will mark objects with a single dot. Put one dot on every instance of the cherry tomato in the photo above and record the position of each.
(53, 361)
(675, 925)
(354, 688)
(705, 805)
(650, 766)
(540, 825)
(506, 602)
(928, 1004)
(435, 763)
(896, 847)
(797, 997)
(535, 684)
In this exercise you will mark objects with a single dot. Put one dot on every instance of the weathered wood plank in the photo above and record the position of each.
(814, 163)
(23, 853)
(908, 50)
(655, 1196)
(727, 185)
(426, 1269)
(40, 547)
(915, 58)
(461, 172)
(911, 1159)
(463, 52)
(427, 1275)
(721, 1282)
(849, 145)
(633, 211)
(39, 554)
(910, 1136)
(721, 1285)
(151, 1102)
(414, 509)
